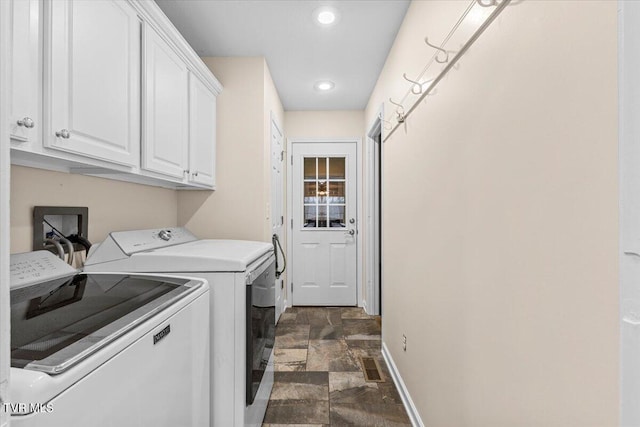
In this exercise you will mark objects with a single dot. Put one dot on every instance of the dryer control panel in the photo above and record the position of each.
(144, 240)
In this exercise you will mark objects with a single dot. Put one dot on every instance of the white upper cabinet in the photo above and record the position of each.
(166, 126)
(109, 88)
(92, 80)
(25, 87)
(202, 133)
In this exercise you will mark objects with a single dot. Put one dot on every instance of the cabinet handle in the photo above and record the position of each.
(63, 134)
(26, 122)
(195, 174)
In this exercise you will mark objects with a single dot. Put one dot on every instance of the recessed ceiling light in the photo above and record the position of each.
(324, 85)
(326, 16)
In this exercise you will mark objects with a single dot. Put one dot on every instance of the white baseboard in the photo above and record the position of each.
(412, 411)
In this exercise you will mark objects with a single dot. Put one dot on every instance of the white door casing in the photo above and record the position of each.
(324, 223)
(277, 204)
(373, 288)
(92, 80)
(5, 177)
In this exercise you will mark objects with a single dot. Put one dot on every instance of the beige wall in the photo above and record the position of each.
(501, 220)
(239, 208)
(113, 205)
(323, 124)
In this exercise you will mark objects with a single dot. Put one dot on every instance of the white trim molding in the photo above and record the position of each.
(410, 407)
(5, 177)
(372, 293)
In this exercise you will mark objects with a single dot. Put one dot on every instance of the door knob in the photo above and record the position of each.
(26, 122)
(351, 232)
(352, 221)
(63, 134)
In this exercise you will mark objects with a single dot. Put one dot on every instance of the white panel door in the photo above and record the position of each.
(24, 91)
(94, 80)
(202, 133)
(277, 207)
(165, 147)
(324, 224)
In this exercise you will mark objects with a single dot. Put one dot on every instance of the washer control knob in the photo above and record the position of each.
(165, 235)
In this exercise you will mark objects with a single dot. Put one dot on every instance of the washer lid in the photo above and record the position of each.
(205, 256)
(56, 324)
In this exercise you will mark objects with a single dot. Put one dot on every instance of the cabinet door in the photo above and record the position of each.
(166, 122)
(202, 133)
(94, 80)
(24, 89)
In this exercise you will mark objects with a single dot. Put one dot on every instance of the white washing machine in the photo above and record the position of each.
(94, 349)
(241, 276)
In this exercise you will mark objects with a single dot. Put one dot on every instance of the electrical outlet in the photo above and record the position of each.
(404, 342)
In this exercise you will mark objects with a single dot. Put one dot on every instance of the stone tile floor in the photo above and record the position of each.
(318, 378)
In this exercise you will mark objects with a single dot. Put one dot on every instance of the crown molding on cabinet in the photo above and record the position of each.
(152, 15)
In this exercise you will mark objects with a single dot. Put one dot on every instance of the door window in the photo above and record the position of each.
(324, 192)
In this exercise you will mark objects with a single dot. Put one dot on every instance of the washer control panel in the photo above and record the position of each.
(134, 241)
(33, 267)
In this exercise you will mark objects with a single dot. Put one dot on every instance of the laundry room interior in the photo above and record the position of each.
(320, 212)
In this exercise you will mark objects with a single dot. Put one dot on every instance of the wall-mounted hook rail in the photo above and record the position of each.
(500, 6)
(490, 3)
(399, 111)
(440, 50)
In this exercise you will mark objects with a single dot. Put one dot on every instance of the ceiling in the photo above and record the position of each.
(299, 51)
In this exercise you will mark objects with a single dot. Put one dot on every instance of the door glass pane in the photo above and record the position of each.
(322, 216)
(324, 196)
(309, 168)
(309, 216)
(310, 192)
(336, 216)
(336, 168)
(322, 192)
(322, 168)
(336, 192)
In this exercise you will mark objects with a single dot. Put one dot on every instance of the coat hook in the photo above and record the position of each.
(488, 4)
(441, 50)
(386, 123)
(417, 88)
(399, 111)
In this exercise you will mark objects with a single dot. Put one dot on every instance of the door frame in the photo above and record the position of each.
(5, 188)
(359, 218)
(629, 208)
(374, 217)
(274, 123)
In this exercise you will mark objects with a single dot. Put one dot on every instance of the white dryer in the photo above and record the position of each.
(93, 349)
(241, 276)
